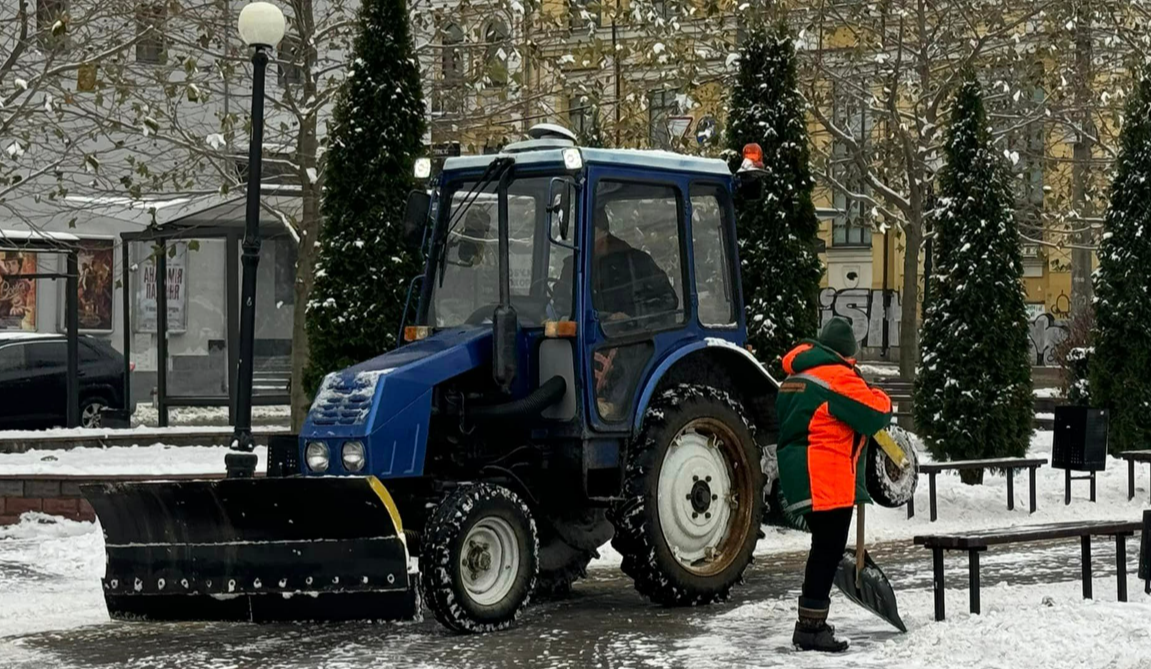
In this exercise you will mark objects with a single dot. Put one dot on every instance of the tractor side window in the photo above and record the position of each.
(711, 255)
(637, 277)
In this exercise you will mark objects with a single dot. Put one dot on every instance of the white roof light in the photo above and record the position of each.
(423, 168)
(572, 159)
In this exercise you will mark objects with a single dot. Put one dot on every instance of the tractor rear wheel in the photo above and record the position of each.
(479, 559)
(693, 498)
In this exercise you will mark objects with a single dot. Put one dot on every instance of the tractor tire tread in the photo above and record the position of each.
(445, 527)
(633, 538)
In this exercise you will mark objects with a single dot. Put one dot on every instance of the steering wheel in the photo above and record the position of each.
(483, 313)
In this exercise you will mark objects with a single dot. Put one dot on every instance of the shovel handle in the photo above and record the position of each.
(859, 550)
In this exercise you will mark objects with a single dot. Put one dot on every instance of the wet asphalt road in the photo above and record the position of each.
(604, 624)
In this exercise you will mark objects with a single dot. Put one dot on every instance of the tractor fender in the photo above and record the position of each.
(709, 343)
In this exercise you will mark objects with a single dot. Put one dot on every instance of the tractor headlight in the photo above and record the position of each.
(573, 160)
(317, 456)
(353, 456)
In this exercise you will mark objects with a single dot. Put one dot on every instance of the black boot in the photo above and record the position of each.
(813, 633)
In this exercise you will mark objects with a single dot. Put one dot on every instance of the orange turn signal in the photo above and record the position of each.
(559, 329)
(754, 153)
(416, 332)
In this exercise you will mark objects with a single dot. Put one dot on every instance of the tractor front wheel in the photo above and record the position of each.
(693, 498)
(479, 559)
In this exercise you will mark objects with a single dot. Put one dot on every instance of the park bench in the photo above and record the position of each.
(977, 542)
(1132, 457)
(932, 469)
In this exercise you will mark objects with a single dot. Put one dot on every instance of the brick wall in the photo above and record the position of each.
(54, 495)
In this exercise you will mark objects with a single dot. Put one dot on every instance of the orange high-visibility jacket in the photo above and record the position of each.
(826, 413)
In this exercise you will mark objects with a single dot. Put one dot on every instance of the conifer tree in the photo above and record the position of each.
(364, 268)
(775, 221)
(1121, 359)
(973, 394)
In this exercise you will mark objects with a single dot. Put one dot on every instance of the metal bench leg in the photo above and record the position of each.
(1066, 487)
(1121, 565)
(973, 578)
(1092, 487)
(931, 491)
(1130, 480)
(1031, 478)
(911, 507)
(1010, 489)
(937, 583)
(1087, 567)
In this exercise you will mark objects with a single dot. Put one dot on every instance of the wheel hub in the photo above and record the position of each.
(489, 560)
(700, 496)
(696, 498)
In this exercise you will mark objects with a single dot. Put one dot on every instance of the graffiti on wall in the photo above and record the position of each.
(1046, 332)
(863, 308)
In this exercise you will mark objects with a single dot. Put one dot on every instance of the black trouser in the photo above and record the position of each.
(828, 540)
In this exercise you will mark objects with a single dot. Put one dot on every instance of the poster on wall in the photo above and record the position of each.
(177, 284)
(17, 295)
(95, 261)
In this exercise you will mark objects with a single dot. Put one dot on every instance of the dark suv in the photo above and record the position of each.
(34, 384)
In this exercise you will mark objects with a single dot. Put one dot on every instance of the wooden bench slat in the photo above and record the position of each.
(1136, 456)
(985, 538)
(981, 464)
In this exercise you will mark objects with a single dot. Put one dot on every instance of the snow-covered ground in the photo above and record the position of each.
(155, 460)
(50, 570)
(1047, 625)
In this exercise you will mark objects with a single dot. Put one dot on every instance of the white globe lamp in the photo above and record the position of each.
(261, 24)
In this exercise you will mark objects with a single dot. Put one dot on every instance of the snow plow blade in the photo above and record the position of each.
(874, 591)
(255, 550)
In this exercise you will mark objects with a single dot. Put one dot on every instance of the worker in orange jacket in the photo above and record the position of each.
(827, 413)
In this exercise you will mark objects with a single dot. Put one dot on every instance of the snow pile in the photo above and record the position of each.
(156, 460)
(50, 571)
(1047, 625)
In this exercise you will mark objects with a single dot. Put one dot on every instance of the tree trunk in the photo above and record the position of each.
(307, 148)
(1082, 291)
(305, 279)
(909, 307)
(971, 476)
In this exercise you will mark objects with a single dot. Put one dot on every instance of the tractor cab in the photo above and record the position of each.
(611, 260)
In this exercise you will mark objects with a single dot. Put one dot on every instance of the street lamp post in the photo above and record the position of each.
(262, 28)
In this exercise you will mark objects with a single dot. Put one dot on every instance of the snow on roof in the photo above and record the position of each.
(36, 235)
(643, 158)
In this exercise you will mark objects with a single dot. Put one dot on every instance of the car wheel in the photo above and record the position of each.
(91, 412)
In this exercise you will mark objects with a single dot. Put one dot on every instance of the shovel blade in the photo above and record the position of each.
(874, 592)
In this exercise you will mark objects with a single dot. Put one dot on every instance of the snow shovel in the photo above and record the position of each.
(864, 583)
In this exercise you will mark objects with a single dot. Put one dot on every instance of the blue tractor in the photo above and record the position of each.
(575, 373)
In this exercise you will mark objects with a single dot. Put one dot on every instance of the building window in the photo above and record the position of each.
(275, 168)
(497, 48)
(290, 57)
(452, 56)
(48, 12)
(581, 115)
(446, 98)
(661, 107)
(152, 47)
(584, 14)
(662, 9)
(852, 225)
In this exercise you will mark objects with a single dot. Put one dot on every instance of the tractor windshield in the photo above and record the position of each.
(466, 289)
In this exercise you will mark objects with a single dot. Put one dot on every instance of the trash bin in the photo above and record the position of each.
(1080, 439)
